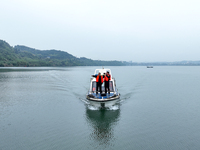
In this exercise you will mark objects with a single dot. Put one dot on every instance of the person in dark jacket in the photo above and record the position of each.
(106, 81)
(99, 81)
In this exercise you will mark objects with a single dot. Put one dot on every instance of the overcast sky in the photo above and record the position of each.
(129, 30)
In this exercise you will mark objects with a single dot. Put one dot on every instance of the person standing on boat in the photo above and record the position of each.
(106, 81)
(99, 81)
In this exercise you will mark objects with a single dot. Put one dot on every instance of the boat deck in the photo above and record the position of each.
(99, 96)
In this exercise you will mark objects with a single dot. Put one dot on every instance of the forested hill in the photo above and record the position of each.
(7, 53)
(53, 54)
(25, 56)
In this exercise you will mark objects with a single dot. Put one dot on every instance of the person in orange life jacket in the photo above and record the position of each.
(99, 81)
(106, 80)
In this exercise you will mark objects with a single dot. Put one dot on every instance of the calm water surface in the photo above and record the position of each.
(44, 109)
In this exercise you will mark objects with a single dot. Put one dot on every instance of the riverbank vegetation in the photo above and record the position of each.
(24, 56)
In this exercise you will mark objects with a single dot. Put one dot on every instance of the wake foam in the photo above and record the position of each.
(90, 107)
(114, 107)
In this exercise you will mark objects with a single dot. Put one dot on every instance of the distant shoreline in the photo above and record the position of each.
(23, 56)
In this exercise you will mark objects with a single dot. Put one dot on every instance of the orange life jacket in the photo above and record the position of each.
(106, 78)
(97, 79)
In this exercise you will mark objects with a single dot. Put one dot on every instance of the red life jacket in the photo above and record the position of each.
(97, 79)
(106, 78)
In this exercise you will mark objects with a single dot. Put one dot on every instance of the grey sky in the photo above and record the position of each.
(137, 30)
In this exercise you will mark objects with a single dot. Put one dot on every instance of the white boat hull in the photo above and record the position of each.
(103, 102)
(104, 99)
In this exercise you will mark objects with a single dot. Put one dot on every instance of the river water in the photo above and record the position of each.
(44, 109)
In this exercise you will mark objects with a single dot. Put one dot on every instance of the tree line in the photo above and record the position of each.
(25, 56)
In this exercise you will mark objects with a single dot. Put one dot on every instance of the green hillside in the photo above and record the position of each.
(7, 53)
(26, 56)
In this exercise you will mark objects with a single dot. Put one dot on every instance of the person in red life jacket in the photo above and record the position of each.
(106, 81)
(99, 81)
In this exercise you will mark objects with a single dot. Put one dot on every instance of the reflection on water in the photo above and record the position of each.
(102, 123)
(39, 109)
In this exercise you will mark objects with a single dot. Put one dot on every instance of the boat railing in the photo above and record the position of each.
(102, 71)
(93, 87)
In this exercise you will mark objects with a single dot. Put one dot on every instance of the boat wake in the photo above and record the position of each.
(91, 107)
(114, 107)
(85, 101)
